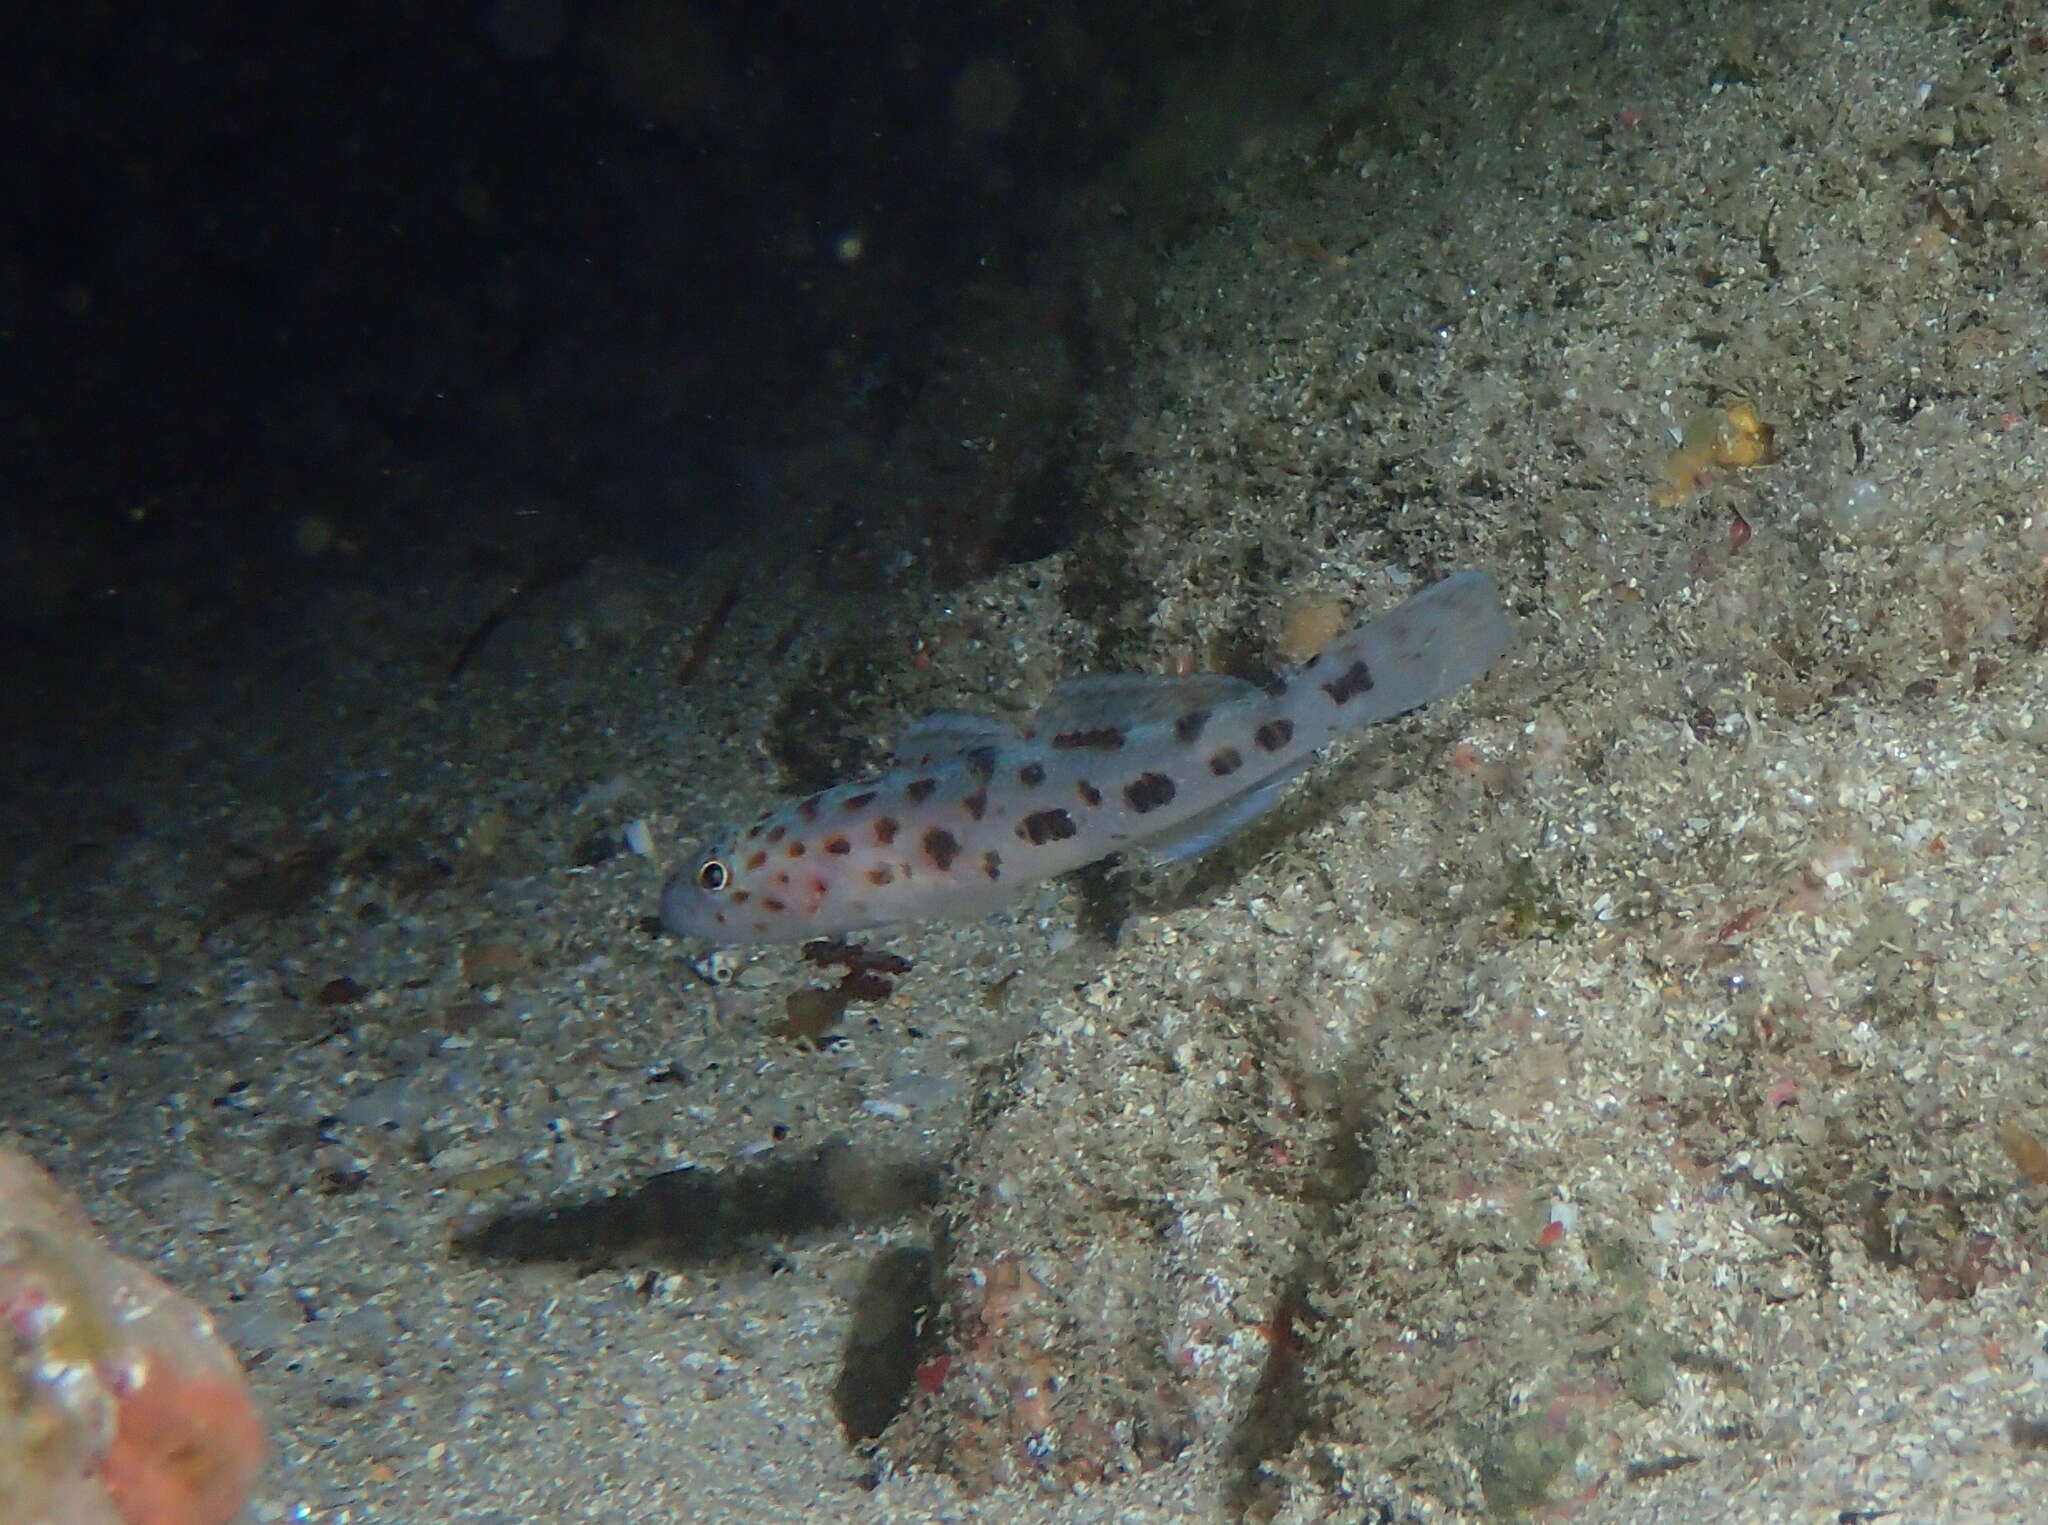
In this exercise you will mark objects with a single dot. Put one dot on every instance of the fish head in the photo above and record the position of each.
(695, 901)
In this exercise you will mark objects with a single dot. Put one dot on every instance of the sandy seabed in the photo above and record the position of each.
(1614, 1094)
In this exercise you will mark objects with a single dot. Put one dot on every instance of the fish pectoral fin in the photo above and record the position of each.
(947, 733)
(1128, 699)
(1198, 833)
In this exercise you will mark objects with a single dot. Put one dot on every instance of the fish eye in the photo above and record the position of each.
(712, 876)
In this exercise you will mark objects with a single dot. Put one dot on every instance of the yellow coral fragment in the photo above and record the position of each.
(1743, 439)
(1727, 438)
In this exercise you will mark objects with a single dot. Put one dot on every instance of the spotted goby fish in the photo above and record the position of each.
(974, 810)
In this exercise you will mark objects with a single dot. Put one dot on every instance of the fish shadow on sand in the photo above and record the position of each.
(693, 1216)
(690, 1216)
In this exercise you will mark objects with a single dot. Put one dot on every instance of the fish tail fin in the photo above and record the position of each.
(1443, 638)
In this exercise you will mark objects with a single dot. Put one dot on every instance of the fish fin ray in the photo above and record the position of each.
(948, 733)
(1128, 700)
(1220, 822)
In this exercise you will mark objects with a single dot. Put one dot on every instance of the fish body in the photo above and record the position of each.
(975, 810)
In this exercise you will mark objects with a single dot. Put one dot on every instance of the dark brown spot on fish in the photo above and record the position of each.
(977, 803)
(1090, 795)
(838, 847)
(1101, 738)
(781, 878)
(1188, 729)
(1043, 826)
(769, 903)
(942, 847)
(882, 875)
(1148, 791)
(818, 887)
(755, 859)
(981, 762)
(1274, 734)
(808, 808)
(885, 829)
(754, 830)
(859, 801)
(1225, 762)
(776, 834)
(1349, 684)
(795, 849)
(1031, 775)
(741, 897)
(918, 790)
(992, 864)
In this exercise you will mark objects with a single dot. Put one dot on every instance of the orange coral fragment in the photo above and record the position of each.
(187, 1451)
(119, 1405)
(2025, 1149)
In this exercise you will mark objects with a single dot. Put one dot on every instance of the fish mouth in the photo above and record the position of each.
(682, 907)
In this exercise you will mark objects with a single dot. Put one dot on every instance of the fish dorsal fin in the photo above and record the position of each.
(1133, 698)
(948, 733)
